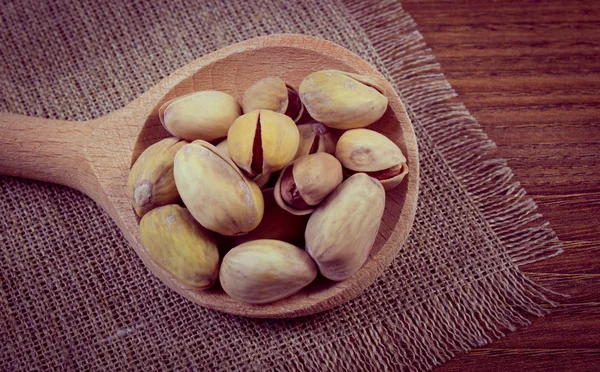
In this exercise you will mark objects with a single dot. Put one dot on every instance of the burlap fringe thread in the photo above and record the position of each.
(475, 313)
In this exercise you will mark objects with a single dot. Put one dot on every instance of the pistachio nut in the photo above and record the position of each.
(306, 181)
(364, 150)
(261, 180)
(341, 231)
(219, 196)
(315, 137)
(151, 183)
(263, 271)
(222, 147)
(276, 224)
(272, 93)
(262, 141)
(342, 100)
(205, 115)
(178, 244)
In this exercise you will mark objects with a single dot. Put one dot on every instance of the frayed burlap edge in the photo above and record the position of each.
(475, 313)
(434, 331)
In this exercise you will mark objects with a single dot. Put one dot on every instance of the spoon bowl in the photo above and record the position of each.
(95, 156)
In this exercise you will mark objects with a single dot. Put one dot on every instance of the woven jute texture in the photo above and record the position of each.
(73, 294)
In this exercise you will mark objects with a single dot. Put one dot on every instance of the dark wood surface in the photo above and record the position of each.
(529, 71)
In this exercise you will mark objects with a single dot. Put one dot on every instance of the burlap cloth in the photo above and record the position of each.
(74, 296)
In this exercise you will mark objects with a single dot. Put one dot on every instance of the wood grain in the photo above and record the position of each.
(529, 71)
(96, 158)
(54, 153)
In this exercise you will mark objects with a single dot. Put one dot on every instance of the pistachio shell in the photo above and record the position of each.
(263, 271)
(205, 115)
(262, 141)
(222, 147)
(272, 93)
(304, 183)
(287, 196)
(393, 178)
(366, 81)
(342, 100)
(276, 224)
(151, 183)
(315, 137)
(341, 231)
(261, 180)
(178, 244)
(364, 150)
(218, 195)
(316, 176)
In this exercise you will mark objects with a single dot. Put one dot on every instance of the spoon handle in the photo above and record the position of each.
(46, 150)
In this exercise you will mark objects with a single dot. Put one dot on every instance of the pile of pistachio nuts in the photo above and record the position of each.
(239, 189)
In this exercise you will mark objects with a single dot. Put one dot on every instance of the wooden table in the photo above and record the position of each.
(529, 71)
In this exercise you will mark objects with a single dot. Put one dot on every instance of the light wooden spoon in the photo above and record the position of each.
(95, 156)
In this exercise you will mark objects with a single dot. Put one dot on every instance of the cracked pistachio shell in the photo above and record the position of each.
(151, 183)
(219, 196)
(341, 231)
(261, 180)
(303, 184)
(205, 115)
(263, 271)
(315, 137)
(342, 100)
(262, 141)
(272, 93)
(364, 150)
(179, 245)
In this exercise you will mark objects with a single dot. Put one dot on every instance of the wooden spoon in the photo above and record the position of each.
(95, 156)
